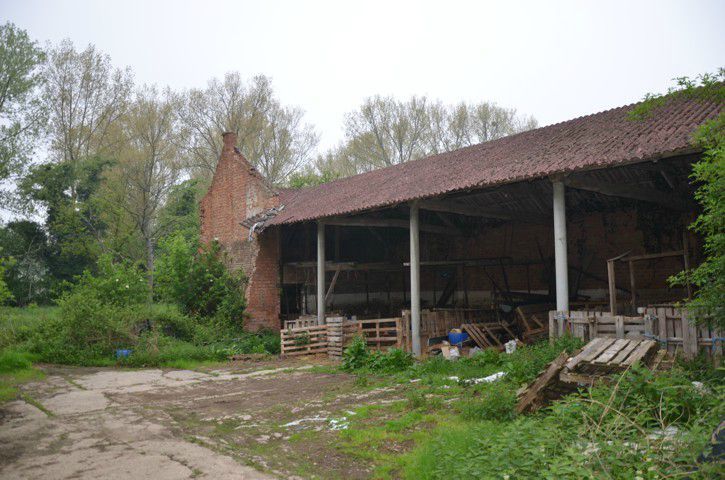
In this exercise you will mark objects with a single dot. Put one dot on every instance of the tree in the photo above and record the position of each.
(148, 166)
(385, 131)
(68, 196)
(26, 269)
(706, 305)
(21, 111)
(272, 137)
(86, 97)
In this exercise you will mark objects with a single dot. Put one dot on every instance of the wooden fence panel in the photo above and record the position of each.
(670, 326)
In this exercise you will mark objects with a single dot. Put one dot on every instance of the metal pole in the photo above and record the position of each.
(560, 260)
(415, 278)
(320, 273)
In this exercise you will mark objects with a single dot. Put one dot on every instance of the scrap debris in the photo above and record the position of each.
(595, 362)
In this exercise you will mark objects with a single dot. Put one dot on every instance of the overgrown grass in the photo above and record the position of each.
(15, 368)
(452, 427)
(157, 335)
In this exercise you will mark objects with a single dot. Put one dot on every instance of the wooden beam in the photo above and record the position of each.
(612, 287)
(485, 212)
(635, 192)
(332, 286)
(388, 222)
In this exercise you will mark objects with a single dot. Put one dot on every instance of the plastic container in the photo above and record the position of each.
(123, 353)
(457, 338)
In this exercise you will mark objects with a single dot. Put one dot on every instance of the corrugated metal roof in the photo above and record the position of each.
(599, 140)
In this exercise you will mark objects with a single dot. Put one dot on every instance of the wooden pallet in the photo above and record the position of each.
(486, 335)
(303, 341)
(593, 363)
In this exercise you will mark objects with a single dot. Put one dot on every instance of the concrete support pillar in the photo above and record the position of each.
(415, 278)
(320, 273)
(560, 259)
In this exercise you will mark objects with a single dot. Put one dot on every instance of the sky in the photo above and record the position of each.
(555, 60)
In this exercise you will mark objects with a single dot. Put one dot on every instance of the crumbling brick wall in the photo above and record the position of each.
(237, 192)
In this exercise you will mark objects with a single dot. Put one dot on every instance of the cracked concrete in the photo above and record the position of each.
(86, 433)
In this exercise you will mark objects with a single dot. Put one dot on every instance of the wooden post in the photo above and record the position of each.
(415, 278)
(632, 287)
(612, 287)
(552, 326)
(619, 326)
(320, 273)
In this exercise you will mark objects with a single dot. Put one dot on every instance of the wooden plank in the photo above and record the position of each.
(587, 348)
(476, 335)
(491, 335)
(592, 350)
(644, 348)
(689, 337)
(530, 397)
(612, 351)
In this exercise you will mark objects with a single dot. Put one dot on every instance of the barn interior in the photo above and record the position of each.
(491, 250)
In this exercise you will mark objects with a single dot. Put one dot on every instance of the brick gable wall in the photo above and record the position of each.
(237, 192)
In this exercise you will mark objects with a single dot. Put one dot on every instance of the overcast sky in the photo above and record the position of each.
(553, 60)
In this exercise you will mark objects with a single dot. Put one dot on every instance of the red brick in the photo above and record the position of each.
(237, 192)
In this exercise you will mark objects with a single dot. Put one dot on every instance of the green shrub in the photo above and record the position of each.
(496, 401)
(115, 283)
(394, 360)
(199, 282)
(356, 355)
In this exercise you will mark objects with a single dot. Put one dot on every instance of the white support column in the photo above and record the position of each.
(415, 278)
(320, 273)
(560, 259)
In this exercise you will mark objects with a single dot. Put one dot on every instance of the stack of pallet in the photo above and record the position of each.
(335, 336)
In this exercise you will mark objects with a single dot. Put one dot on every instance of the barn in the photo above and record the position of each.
(589, 214)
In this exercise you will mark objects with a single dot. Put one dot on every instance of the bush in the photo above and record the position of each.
(495, 402)
(356, 355)
(198, 281)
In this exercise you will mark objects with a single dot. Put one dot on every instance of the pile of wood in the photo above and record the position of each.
(595, 362)
(533, 321)
(488, 335)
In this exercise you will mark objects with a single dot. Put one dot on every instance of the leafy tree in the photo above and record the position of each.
(385, 131)
(66, 193)
(709, 173)
(5, 294)
(272, 137)
(181, 211)
(86, 97)
(21, 111)
(147, 168)
(26, 272)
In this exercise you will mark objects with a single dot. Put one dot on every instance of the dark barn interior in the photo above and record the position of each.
(493, 249)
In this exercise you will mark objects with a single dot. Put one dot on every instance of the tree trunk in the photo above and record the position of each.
(150, 266)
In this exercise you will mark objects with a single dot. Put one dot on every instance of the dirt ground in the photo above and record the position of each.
(246, 420)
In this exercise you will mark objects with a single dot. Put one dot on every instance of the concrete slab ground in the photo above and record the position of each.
(229, 423)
